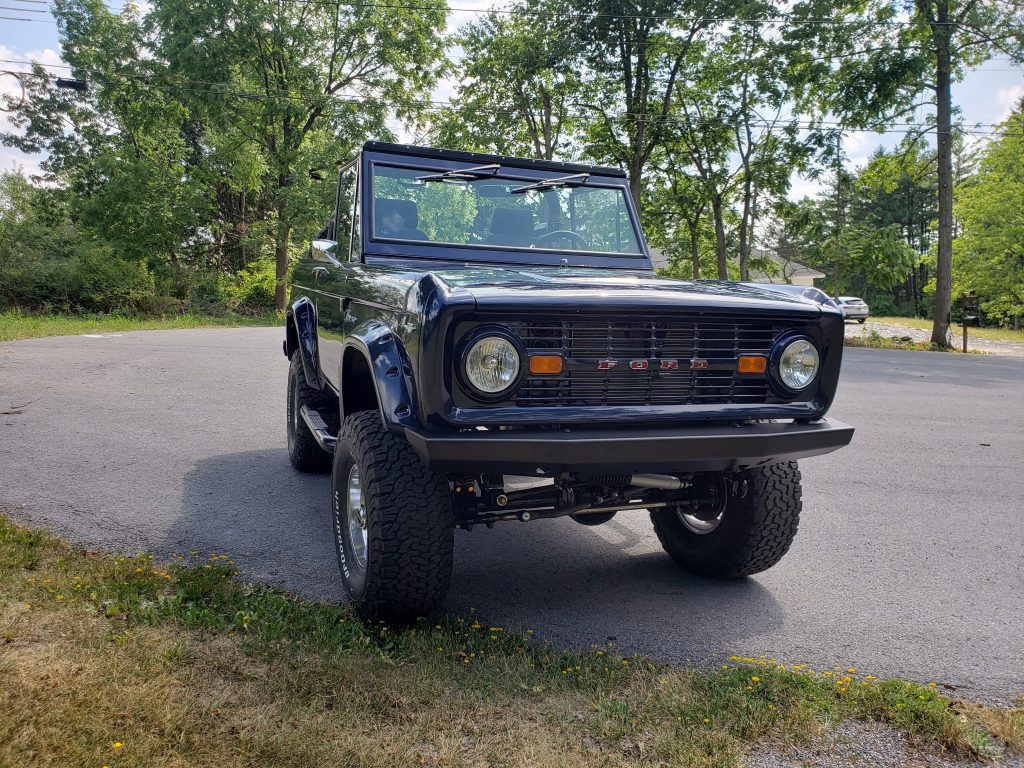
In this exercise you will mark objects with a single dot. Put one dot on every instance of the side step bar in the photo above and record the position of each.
(318, 427)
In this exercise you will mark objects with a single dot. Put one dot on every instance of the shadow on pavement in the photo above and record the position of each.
(565, 580)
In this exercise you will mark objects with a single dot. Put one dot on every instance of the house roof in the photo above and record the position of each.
(787, 270)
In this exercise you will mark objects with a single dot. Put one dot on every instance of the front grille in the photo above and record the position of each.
(583, 343)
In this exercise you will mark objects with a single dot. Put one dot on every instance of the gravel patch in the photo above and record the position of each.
(864, 744)
(888, 330)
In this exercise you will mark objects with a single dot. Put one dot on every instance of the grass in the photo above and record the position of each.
(992, 334)
(117, 661)
(16, 325)
(875, 340)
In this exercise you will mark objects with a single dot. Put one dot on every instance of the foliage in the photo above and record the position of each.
(210, 137)
(49, 262)
(989, 254)
(519, 85)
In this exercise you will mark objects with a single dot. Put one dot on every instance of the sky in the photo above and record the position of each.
(985, 96)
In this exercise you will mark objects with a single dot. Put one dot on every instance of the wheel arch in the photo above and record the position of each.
(375, 373)
(301, 334)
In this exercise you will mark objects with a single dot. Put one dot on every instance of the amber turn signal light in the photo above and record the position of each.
(546, 364)
(752, 364)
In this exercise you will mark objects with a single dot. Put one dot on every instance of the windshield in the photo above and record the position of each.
(488, 209)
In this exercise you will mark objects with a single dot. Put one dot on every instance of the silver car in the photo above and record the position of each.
(853, 308)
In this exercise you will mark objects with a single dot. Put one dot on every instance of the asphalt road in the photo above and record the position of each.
(909, 561)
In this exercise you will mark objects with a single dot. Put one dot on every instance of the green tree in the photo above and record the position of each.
(989, 253)
(873, 60)
(635, 52)
(300, 83)
(519, 84)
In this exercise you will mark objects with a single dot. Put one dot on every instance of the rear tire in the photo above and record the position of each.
(862, 320)
(305, 453)
(751, 535)
(395, 549)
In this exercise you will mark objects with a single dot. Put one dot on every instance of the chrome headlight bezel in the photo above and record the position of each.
(462, 368)
(779, 351)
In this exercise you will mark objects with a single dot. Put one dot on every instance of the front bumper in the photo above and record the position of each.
(681, 449)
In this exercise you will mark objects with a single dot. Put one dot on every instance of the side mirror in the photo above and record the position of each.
(322, 250)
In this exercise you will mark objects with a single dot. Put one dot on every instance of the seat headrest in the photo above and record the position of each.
(383, 207)
(512, 221)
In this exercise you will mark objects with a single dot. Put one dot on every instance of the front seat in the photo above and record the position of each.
(396, 219)
(511, 226)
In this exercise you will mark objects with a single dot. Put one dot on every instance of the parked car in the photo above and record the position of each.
(853, 308)
(464, 318)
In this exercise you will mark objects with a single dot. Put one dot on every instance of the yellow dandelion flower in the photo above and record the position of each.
(755, 679)
(60, 597)
(852, 670)
(116, 745)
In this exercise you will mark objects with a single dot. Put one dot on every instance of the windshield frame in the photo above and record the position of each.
(527, 172)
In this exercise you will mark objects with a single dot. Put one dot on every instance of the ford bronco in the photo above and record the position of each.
(466, 320)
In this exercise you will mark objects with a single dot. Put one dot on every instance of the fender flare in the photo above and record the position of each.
(388, 363)
(300, 333)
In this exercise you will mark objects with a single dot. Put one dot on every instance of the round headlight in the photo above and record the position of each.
(492, 364)
(798, 364)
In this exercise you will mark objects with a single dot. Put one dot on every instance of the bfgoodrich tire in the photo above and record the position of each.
(305, 453)
(747, 533)
(393, 523)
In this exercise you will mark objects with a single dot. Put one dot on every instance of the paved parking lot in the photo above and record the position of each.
(910, 558)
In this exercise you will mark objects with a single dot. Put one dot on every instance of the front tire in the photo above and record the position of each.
(393, 523)
(862, 320)
(747, 532)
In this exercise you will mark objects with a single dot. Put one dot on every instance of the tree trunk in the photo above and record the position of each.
(282, 235)
(944, 265)
(744, 253)
(634, 182)
(716, 212)
(694, 249)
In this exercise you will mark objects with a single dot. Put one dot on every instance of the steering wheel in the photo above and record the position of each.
(550, 237)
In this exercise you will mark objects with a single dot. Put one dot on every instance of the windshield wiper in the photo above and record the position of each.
(577, 179)
(463, 174)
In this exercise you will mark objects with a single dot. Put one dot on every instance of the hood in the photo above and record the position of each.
(500, 288)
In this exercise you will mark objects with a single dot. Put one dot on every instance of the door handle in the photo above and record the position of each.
(319, 272)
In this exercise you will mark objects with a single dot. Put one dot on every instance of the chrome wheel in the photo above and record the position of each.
(705, 516)
(355, 516)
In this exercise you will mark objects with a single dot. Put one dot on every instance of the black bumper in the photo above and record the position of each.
(698, 448)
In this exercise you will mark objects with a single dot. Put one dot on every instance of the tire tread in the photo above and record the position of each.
(411, 527)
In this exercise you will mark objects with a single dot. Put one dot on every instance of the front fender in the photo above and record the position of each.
(300, 324)
(390, 373)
